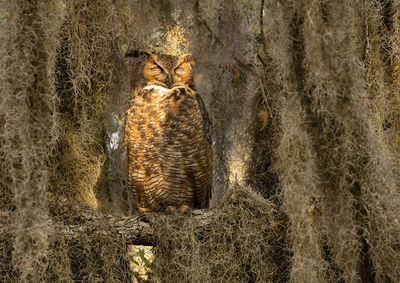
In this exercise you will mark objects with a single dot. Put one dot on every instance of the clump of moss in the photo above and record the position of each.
(83, 85)
(29, 127)
(242, 242)
(316, 83)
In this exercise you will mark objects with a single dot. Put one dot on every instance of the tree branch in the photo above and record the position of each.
(135, 230)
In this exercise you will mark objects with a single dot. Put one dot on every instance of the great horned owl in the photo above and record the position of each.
(167, 135)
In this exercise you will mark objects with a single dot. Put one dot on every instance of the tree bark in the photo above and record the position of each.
(134, 230)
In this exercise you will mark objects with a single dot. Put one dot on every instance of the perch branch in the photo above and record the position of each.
(135, 230)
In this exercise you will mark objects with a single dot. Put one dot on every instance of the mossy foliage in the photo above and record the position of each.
(304, 100)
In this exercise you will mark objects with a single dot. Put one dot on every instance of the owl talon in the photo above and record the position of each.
(144, 210)
(184, 208)
(171, 209)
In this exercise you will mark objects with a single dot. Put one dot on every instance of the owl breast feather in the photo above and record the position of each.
(169, 156)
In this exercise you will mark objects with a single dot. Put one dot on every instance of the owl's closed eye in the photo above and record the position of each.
(166, 70)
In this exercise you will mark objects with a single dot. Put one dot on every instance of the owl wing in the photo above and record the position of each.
(128, 114)
(127, 133)
(187, 146)
(138, 132)
(207, 128)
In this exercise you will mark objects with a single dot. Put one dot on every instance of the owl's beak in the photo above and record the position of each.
(170, 80)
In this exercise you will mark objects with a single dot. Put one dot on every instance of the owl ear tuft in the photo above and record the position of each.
(137, 53)
(187, 58)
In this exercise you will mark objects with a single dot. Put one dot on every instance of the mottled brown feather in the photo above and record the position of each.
(167, 135)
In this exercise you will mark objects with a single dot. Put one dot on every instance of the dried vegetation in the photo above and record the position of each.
(304, 100)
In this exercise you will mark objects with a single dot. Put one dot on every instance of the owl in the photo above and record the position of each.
(167, 137)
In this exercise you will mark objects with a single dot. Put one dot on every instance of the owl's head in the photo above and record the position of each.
(165, 70)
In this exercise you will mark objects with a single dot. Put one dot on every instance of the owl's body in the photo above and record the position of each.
(168, 141)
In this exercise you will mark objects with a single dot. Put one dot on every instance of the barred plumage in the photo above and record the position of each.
(168, 142)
